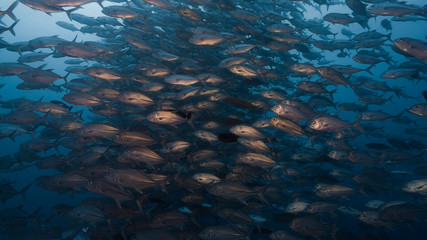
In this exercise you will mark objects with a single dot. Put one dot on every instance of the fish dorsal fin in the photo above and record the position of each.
(42, 66)
(38, 101)
(75, 38)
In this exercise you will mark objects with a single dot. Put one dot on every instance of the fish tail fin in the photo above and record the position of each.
(420, 156)
(11, 30)
(389, 61)
(400, 114)
(364, 23)
(335, 35)
(361, 190)
(356, 124)
(163, 183)
(331, 93)
(366, 107)
(313, 138)
(389, 100)
(416, 75)
(9, 11)
(397, 92)
(119, 204)
(23, 191)
(140, 200)
(65, 77)
(283, 167)
(260, 193)
(78, 114)
(163, 186)
(100, 3)
(11, 136)
(18, 50)
(190, 121)
(68, 12)
(368, 69)
(43, 119)
(35, 213)
(109, 106)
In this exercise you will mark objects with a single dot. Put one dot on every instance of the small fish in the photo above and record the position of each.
(419, 109)
(377, 146)
(413, 47)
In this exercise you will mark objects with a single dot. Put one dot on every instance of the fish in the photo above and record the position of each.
(246, 131)
(292, 128)
(213, 119)
(61, 182)
(231, 190)
(419, 109)
(181, 80)
(97, 130)
(257, 160)
(37, 5)
(133, 179)
(309, 227)
(168, 117)
(340, 18)
(415, 186)
(67, 26)
(120, 12)
(160, 3)
(206, 178)
(331, 123)
(220, 232)
(206, 39)
(40, 76)
(333, 75)
(103, 73)
(104, 188)
(74, 49)
(134, 98)
(392, 9)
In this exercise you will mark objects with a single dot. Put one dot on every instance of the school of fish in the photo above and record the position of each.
(218, 119)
